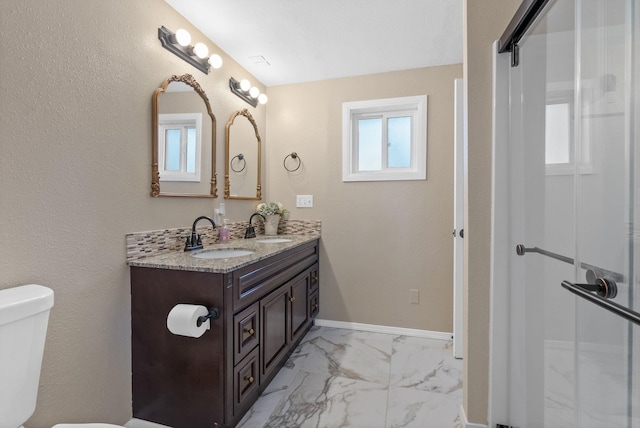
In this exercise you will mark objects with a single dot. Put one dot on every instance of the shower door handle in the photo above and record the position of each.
(603, 287)
(581, 291)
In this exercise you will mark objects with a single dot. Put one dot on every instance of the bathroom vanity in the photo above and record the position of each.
(267, 302)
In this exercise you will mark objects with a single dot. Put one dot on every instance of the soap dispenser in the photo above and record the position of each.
(224, 231)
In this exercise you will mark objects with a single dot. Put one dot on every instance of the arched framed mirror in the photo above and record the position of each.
(183, 148)
(243, 167)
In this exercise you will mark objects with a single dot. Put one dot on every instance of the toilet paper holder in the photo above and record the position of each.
(214, 314)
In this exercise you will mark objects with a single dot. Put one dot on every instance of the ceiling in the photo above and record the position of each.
(292, 41)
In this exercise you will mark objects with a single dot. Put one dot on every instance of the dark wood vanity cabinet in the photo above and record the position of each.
(211, 381)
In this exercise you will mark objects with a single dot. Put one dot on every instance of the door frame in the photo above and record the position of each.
(459, 153)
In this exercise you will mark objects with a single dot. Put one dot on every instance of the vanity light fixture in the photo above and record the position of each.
(248, 93)
(180, 44)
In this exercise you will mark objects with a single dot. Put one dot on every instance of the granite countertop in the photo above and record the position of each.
(183, 260)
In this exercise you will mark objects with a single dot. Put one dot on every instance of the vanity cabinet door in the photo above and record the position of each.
(247, 331)
(299, 306)
(274, 340)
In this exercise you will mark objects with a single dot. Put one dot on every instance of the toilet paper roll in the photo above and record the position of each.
(183, 320)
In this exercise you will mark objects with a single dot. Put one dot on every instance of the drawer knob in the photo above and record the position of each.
(315, 278)
(250, 331)
(249, 379)
(292, 299)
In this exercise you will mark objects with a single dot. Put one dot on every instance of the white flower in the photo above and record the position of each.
(270, 208)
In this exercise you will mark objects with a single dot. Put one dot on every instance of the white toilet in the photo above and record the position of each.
(24, 315)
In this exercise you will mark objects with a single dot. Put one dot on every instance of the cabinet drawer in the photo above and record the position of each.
(246, 381)
(314, 277)
(259, 279)
(246, 332)
(314, 304)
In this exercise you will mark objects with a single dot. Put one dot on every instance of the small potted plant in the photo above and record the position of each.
(271, 211)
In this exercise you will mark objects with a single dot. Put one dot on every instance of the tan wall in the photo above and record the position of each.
(76, 83)
(379, 239)
(485, 22)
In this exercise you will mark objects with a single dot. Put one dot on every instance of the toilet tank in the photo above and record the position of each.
(24, 314)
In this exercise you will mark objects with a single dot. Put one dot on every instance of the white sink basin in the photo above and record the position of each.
(273, 240)
(222, 253)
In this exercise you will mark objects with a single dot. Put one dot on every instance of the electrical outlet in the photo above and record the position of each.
(414, 296)
(221, 209)
(304, 201)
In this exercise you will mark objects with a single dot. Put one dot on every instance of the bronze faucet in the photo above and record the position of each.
(251, 232)
(194, 242)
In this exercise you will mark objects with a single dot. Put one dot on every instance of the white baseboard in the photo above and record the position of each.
(465, 423)
(385, 329)
(139, 423)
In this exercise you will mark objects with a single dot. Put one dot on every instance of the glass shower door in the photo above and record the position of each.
(573, 175)
(605, 210)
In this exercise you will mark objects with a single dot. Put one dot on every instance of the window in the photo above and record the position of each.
(179, 146)
(557, 149)
(384, 140)
(560, 155)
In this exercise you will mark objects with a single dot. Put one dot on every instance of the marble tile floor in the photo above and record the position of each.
(339, 378)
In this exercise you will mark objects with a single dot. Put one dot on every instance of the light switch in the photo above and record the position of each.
(304, 201)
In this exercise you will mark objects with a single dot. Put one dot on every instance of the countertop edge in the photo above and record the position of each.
(180, 260)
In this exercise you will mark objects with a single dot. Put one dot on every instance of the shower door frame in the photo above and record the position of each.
(499, 331)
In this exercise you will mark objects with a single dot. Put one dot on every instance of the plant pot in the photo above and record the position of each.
(271, 224)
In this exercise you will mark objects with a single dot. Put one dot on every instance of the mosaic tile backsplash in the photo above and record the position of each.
(155, 242)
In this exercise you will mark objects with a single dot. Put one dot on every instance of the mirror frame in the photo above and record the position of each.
(227, 192)
(155, 175)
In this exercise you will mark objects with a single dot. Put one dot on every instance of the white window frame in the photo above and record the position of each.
(416, 106)
(173, 120)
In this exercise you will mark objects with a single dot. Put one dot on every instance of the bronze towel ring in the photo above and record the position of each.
(240, 158)
(293, 156)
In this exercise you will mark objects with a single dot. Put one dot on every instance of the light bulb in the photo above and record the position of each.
(183, 37)
(245, 85)
(262, 99)
(201, 50)
(215, 61)
(254, 92)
